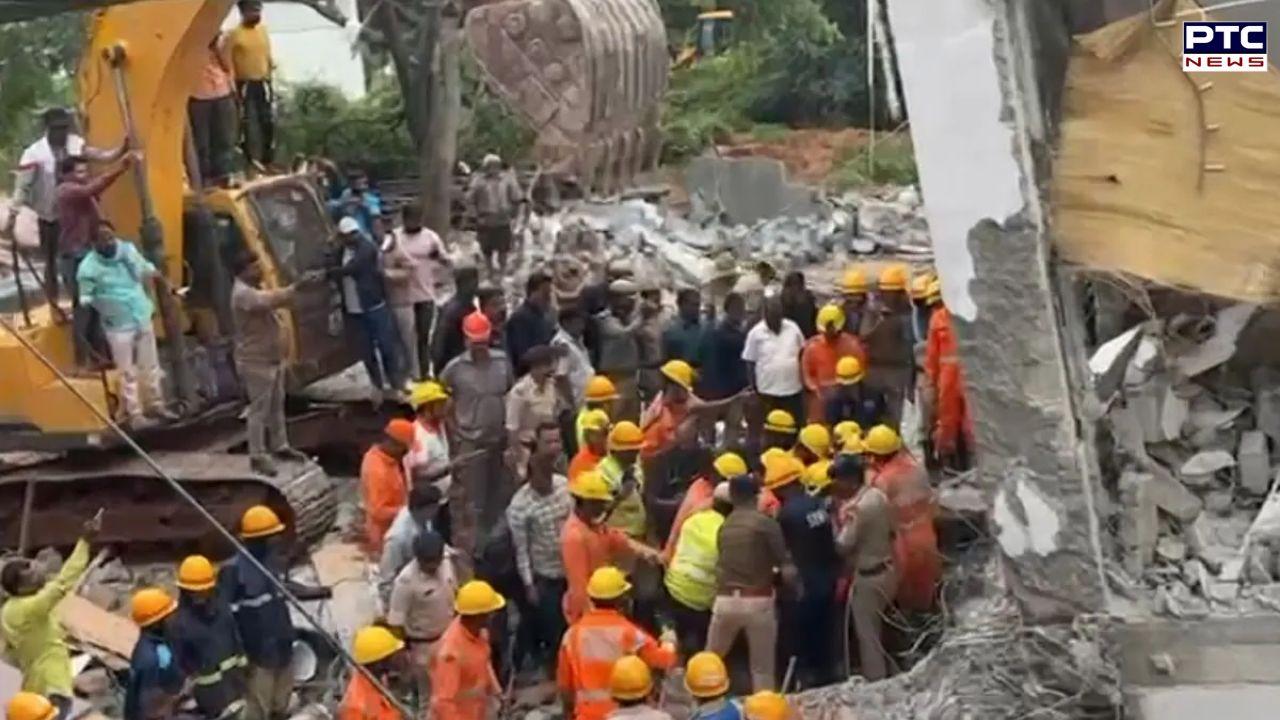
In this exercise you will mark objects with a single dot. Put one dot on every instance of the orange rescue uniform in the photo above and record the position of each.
(942, 366)
(582, 462)
(661, 420)
(586, 548)
(462, 678)
(698, 498)
(818, 368)
(587, 654)
(362, 701)
(384, 492)
(915, 545)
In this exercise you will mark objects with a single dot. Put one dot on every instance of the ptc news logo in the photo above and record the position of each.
(1224, 47)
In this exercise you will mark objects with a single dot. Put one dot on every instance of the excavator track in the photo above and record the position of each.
(142, 511)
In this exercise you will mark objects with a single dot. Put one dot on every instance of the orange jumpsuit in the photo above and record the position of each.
(462, 678)
(384, 492)
(587, 654)
(942, 366)
(660, 422)
(582, 462)
(818, 368)
(585, 548)
(915, 545)
(362, 701)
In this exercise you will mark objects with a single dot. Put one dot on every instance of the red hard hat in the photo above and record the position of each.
(477, 327)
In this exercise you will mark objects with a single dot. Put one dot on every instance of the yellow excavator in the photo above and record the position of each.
(134, 81)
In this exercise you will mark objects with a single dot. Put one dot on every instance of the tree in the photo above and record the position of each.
(37, 63)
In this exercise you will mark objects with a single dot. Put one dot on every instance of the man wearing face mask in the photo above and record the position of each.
(113, 280)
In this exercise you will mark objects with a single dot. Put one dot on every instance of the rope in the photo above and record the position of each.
(208, 517)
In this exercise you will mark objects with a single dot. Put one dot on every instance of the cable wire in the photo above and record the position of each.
(226, 534)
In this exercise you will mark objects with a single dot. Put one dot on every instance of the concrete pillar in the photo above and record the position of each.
(982, 80)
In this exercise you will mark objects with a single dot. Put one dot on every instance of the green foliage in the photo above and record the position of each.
(707, 102)
(893, 163)
(315, 119)
(37, 64)
(489, 125)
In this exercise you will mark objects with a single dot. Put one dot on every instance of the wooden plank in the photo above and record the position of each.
(94, 626)
(343, 568)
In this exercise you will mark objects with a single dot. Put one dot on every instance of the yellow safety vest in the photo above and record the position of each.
(629, 515)
(691, 577)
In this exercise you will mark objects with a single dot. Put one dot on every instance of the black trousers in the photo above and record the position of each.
(49, 232)
(257, 121)
(213, 127)
(691, 627)
(542, 625)
(807, 626)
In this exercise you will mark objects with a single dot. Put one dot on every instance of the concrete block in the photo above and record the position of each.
(1140, 523)
(1206, 463)
(1173, 413)
(1111, 360)
(1171, 549)
(1255, 462)
(749, 189)
(1266, 400)
(1172, 496)
(1221, 345)
(1146, 401)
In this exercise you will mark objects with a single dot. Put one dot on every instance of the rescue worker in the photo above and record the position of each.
(922, 302)
(691, 573)
(624, 473)
(596, 640)
(630, 686)
(379, 651)
(383, 488)
(779, 430)
(952, 430)
(421, 607)
(865, 541)
(752, 557)
(707, 680)
(463, 682)
(814, 444)
(820, 356)
(587, 543)
(855, 401)
(206, 642)
(854, 287)
(806, 527)
(600, 395)
(897, 474)
(155, 683)
(699, 494)
(595, 445)
(817, 481)
(843, 430)
(33, 636)
(429, 452)
(887, 337)
(766, 705)
(31, 706)
(262, 614)
(260, 360)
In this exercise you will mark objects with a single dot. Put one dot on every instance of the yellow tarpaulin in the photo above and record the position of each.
(1158, 175)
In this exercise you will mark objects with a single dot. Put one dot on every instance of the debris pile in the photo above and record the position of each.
(1198, 520)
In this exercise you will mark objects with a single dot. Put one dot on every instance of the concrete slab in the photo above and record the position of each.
(1194, 702)
(1255, 462)
(749, 189)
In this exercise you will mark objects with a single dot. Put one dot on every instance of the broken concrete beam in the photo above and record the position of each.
(1140, 523)
(1221, 345)
(1254, 462)
(1205, 464)
(1170, 495)
(1146, 401)
(1173, 414)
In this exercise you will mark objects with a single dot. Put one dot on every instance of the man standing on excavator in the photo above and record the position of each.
(249, 46)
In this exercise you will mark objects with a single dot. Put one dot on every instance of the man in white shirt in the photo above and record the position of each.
(772, 353)
(36, 182)
(413, 257)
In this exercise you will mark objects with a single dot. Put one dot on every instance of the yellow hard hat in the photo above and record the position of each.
(260, 521)
(882, 440)
(780, 421)
(854, 281)
(151, 605)
(933, 293)
(607, 583)
(817, 438)
(424, 393)
(626, 435)
(600, 388)
(730, 465)
(196, 573)
(591, 485)
(849, 370)
(630, 679)
(830, 316)
(678, 372)
(816, 476)
(894, 277)
(478, 598)
(844, 429)
(30, 706)
(375, 643)
(853, 445)
(920, 285)
(705, 675)
(781, 469)
(595, 420)
(765, 705)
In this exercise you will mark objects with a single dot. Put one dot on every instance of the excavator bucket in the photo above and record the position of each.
(587, 75)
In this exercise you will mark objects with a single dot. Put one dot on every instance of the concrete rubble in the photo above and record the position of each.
(1196, 522)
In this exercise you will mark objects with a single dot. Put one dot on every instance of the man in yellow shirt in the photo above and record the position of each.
(249, 46)
(34, 637)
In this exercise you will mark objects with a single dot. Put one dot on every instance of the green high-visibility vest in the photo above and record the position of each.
(691, 577)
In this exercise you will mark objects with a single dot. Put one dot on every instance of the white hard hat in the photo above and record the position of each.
(348, 225)
(491, 159)
(721, 492)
